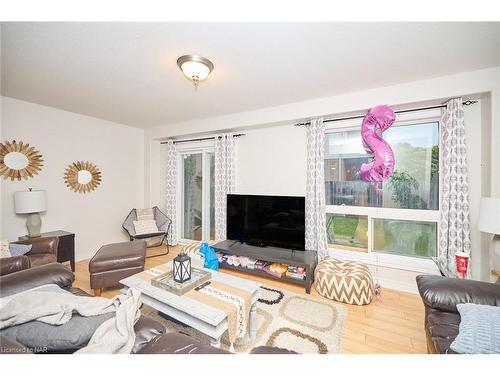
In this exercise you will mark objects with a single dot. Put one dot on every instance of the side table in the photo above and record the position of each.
(66, 248)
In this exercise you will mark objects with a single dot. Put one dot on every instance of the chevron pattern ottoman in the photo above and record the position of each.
(348, 282)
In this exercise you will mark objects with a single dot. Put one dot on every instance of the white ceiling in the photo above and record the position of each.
(127, 72)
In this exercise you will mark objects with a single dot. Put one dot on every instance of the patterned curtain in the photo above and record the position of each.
(454, 223)
(171, 187)
(225, 180)
(315, 189)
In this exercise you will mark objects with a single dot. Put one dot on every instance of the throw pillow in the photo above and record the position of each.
(479, 330)
(17, 249)
(73, 335)
(145, 226)
(4, 247)
(144, 214)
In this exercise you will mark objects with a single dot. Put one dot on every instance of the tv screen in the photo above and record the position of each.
(263, 220)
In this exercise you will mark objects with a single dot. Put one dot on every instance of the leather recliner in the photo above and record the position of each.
(441, 295)
(43, 251)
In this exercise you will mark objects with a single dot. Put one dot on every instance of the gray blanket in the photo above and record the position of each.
(43, 304)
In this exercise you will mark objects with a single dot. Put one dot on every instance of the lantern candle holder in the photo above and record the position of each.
(182, 268)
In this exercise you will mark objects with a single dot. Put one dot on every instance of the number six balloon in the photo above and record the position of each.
(377, 120)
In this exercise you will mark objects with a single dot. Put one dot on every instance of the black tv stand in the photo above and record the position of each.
(306, 259)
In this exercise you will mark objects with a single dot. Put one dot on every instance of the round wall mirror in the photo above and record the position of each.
(19, 160)
(82, 177)
(16, 160)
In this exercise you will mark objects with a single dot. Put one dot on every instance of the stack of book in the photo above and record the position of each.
(294, 272)
(260, 264)
(276, 269)
(251, 263)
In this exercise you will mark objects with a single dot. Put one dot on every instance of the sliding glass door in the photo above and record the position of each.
(192, 197)
(197, 195)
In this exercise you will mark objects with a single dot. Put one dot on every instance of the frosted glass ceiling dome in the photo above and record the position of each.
(195, 68)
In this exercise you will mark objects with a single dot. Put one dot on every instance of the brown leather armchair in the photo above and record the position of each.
(43, 251)
(441, 295)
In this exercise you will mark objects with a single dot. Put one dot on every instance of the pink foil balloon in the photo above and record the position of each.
(377, 120)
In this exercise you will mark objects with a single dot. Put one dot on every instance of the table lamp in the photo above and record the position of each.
(31, 202)
(489, 222)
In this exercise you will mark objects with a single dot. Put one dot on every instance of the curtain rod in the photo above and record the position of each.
(200, 139)
(466, 103)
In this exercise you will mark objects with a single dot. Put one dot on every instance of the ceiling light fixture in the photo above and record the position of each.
(195, 68)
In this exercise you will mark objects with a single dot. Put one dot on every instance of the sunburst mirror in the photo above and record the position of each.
(19, 160)
(82, 177)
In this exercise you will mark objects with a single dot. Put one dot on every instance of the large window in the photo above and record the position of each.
(398, 216)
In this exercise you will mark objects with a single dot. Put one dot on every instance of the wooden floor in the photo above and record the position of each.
(395, 325)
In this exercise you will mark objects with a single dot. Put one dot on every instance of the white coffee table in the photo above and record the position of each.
(202, 317)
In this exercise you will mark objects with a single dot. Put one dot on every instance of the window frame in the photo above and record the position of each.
(188, 148)
(418, 264)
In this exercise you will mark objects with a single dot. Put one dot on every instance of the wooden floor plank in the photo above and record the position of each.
(419, 345)
(398, 321)
(372, 328)
(353, 347)
(394, 325)
(354, 335)
(388, 346)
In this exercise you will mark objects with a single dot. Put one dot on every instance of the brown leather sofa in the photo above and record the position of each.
(14, 264)
(43, 251)
(441, 295)
(150, 334)
(146, 329)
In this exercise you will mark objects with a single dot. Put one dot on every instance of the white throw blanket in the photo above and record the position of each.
(115, 335)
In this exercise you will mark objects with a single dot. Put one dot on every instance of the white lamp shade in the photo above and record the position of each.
(27, 202)
(489, 215)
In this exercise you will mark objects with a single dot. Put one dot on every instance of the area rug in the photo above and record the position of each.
(293, 321)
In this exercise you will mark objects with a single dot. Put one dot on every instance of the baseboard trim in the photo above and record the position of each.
(409, 287)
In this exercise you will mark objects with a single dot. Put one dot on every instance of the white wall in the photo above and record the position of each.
(62, 138)
(271, 157)
(272, 161)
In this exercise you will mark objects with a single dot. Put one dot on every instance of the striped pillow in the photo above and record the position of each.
(145, 227)
(479, 330)
(144, 214)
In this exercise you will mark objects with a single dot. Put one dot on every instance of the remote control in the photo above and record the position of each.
(202, 286)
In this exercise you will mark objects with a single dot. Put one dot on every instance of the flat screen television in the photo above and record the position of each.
(264, 220)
